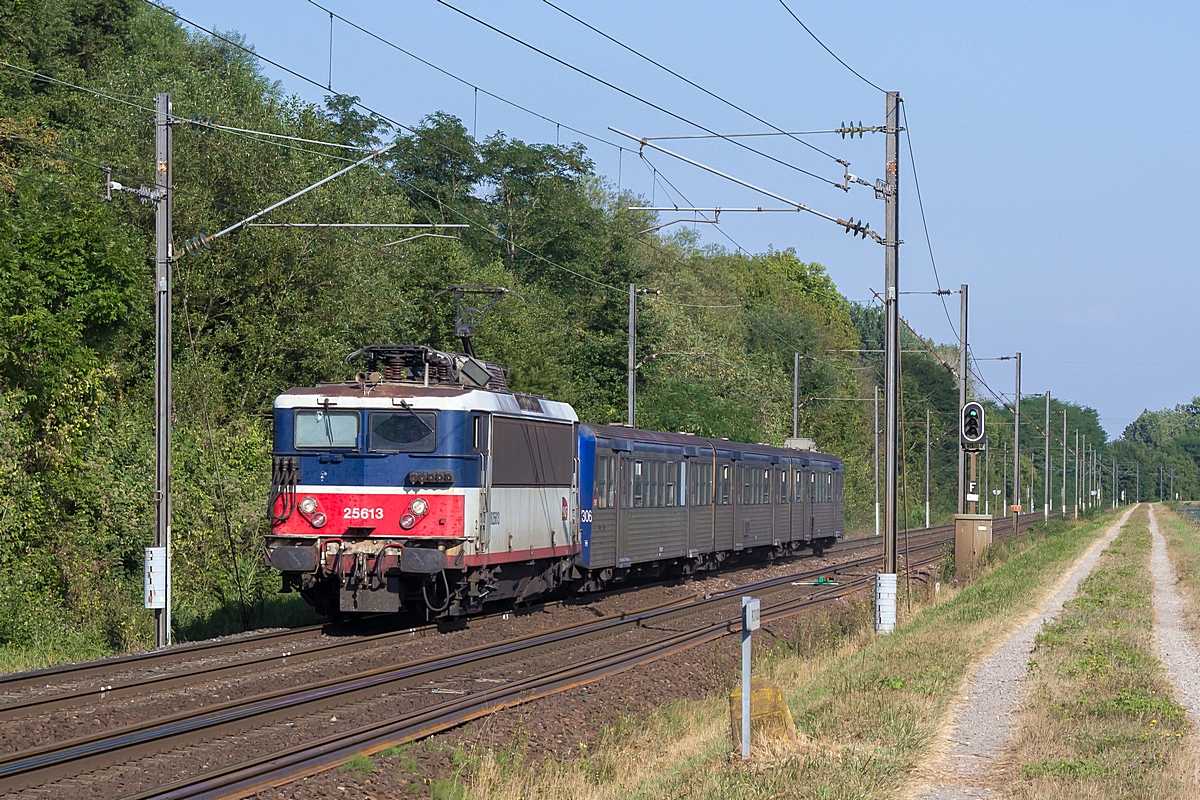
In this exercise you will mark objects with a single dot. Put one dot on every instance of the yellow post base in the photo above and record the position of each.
(769, 713)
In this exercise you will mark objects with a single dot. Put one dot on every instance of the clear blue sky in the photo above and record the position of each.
(1055, 144)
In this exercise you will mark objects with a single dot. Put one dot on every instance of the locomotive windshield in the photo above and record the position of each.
(403, 432)
(318, 429)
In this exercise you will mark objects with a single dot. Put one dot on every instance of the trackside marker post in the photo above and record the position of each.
(155, 582)
(885, 602)
(750, 609)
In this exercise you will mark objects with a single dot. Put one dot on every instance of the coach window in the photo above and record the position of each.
(650, 469)
(725, 486)
(764, 492)
(605, 485)
(639, 485)
(320, 429)
(402, 432)
(797, 486)
(612, 481)
(480, 433)
(683, 484)
(626, 483)
(672, 482)
(703, 495)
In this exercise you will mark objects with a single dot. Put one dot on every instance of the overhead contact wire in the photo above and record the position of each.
(462, 80)
(689, 82)
(628, 93)
(403, 127)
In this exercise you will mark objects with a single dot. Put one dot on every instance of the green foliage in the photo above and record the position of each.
(1162, 443)
(266, 309)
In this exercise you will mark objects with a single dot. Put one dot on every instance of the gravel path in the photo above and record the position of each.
(1172, 640)
(982, 719)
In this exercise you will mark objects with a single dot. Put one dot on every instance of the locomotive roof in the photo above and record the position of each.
(722, 446)
(427, 398)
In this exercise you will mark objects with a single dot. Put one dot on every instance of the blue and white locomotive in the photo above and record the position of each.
(426, 485)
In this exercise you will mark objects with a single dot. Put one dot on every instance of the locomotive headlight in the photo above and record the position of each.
(419, 507)
(407, 521)
(308, 505)
(317, 520)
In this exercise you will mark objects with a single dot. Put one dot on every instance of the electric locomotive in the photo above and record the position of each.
(426, 485)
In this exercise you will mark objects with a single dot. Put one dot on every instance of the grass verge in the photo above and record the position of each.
(868, 708)
(1099, 721)
(1183, 545)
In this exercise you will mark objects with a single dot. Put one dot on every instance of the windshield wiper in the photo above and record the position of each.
(404, 404)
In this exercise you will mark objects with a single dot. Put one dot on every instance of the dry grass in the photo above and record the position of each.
(1183, 544)
(1099, 721)
(868, 708)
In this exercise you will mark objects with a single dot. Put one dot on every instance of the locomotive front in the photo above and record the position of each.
(386, 494)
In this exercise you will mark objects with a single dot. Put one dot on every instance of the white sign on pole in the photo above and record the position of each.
(155, 583)
(750, 606)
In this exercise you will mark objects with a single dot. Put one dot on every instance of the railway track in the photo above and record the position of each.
(109, 680)
(74, 757)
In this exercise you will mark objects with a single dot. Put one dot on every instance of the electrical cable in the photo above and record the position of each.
(827, 50)
(478, 223)
(200, 123)
(689, 82)
(921, 205)
(463, 81)
(628, 93)
(47, 79)
(657, 173)
(231, 129)
(71, 157)
(396, 123)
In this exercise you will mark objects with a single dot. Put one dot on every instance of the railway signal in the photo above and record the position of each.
(971, 426)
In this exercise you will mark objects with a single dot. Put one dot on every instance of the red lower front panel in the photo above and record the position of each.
(380, 513)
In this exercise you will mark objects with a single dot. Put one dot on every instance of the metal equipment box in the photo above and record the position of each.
(972, 538)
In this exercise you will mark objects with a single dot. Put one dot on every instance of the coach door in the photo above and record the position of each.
(603, 552)
(781, 519)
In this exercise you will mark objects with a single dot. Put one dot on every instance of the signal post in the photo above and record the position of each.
(972, 531)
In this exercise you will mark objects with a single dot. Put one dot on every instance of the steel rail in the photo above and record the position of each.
(98, 668)
(241, 780)
(156, 683)
(101, 669)
(73, 756)
(105, 666)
